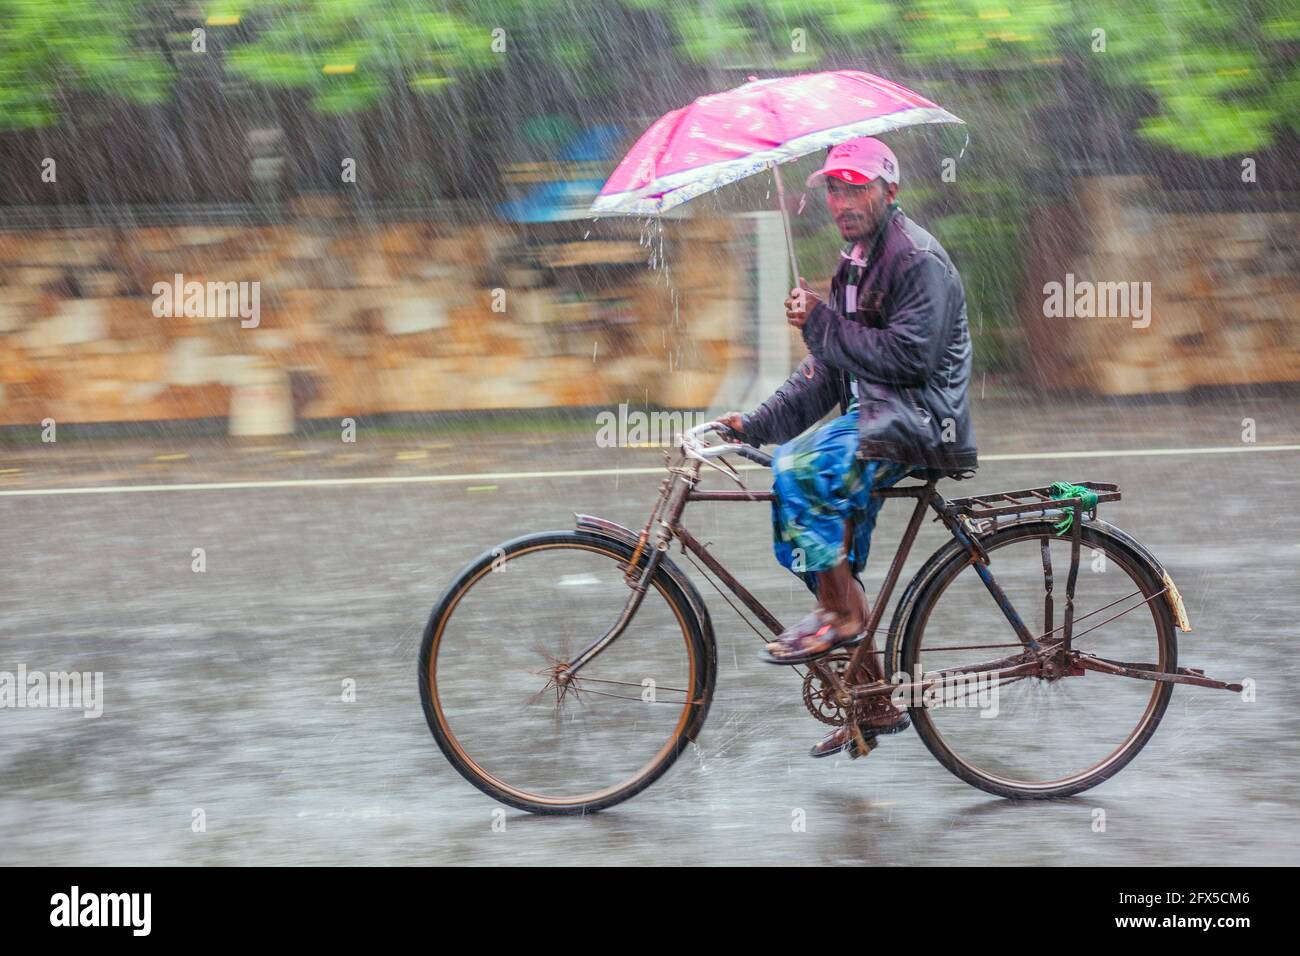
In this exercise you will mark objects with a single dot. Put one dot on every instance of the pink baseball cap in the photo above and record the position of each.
(858, 161)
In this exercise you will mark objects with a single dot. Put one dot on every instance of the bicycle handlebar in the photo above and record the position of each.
(692, 436)
(754, 455)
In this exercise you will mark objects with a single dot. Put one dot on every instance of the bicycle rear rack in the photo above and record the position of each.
(977, 511)
(1000, 504)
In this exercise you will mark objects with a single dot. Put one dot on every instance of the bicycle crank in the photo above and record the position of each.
(820, 694)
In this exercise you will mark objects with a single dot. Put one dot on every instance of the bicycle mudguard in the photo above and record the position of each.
(604, 528)
(1174, 599)
(1171, 591)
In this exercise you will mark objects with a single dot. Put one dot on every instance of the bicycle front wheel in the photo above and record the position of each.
(493, 647)
(1038, 737)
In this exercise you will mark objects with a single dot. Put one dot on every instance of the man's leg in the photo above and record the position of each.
(816, 481)
(843, 596)
(879, 716)
(839, 593)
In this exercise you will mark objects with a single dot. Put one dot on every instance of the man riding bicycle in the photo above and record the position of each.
(892, 350)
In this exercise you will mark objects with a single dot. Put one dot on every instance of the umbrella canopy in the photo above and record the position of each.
(727, 136)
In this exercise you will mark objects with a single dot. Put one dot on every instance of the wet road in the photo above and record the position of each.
(222, 689)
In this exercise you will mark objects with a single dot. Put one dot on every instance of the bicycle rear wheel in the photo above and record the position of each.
(493, 645)
(1031, 737)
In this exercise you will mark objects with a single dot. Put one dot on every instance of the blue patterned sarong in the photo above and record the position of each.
(819, 484)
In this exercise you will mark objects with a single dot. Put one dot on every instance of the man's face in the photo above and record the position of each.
(858, 210)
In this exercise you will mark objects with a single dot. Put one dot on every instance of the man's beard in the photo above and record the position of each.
(870, 219)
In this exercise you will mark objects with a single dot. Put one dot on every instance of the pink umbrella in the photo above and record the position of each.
(727, 136)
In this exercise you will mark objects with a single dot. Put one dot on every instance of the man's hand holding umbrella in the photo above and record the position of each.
(800, 303)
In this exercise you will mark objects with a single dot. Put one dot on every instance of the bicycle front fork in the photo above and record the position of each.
(655, 537)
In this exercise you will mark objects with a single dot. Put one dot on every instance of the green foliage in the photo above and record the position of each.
(982, 34)
(1209, 65)
(349, 53)
(725, 32)
(52, 49)
(1218, 73)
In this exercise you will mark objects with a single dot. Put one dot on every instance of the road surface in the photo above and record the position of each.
(222, 700)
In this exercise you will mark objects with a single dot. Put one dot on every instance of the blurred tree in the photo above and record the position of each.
(51, 50)
(1215, 77)
(348, 53)
(1219, 75)
(1215, 68)
(981, 34)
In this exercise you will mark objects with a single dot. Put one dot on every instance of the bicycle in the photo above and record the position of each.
(546, 726)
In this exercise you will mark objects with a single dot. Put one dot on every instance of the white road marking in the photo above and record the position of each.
(586, 473)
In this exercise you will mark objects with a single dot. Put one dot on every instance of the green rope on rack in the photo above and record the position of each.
(1063, 489)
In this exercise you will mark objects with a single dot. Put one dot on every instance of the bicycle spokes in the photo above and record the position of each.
(1039, 719)
(517, 717)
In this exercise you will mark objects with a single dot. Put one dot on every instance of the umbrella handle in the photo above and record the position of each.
(789, 244)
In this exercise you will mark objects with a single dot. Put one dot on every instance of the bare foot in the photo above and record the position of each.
(851, 623)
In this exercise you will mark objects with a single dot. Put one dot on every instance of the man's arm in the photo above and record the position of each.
(793, 407)
(907, 350)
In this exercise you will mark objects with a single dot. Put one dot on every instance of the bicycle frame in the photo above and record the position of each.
(1051, 660)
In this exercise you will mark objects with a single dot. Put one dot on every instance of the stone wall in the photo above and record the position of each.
(372, 318)
(1225, 293)
(362, 319)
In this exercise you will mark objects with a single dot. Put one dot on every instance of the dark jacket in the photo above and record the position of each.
(910, 347)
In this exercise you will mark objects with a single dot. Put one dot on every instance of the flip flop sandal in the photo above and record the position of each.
(814, 628)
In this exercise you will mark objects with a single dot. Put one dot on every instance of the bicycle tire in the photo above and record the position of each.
(698, 640)
(927, 589)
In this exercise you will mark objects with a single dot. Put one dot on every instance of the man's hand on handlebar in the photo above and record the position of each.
(731, 427)
(734, 421)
